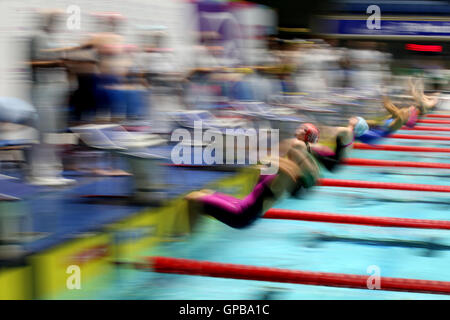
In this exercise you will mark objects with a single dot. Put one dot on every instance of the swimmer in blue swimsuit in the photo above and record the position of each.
(397, 119)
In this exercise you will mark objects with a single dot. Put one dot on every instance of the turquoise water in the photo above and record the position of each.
(313, 246)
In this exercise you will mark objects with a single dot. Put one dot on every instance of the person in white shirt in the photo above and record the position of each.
(49, 93)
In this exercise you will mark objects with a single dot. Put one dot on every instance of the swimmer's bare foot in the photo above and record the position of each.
(99, 172)
(197, 194)
(414, 91)
(207, 191)
(110, 173)
(119, 173)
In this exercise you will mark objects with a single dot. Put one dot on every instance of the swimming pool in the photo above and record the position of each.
(315, 246)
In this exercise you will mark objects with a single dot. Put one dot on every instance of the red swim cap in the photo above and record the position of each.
(311, 132)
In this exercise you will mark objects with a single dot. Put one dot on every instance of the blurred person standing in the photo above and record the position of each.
(156, 63)
(105, 84)
(367, 65)
(113, 65)
(386, 62)
(48, 94)
(334, 55)
(156, 56)
(99, 95)
(199, 92)
(208, 51)
(311, 77)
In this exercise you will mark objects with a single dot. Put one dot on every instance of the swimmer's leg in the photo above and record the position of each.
(390, 107)
(425, 103)
(400, 116)
(238, 213)
(234, 212)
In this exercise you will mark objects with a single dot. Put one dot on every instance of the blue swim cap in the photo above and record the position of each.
(361, 127)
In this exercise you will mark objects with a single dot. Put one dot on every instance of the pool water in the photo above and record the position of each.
(315, 246)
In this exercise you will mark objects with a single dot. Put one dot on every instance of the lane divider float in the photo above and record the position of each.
(442, 116)
(364, 146)
(324, 182)
(286, 214)
(433, 121)
(248, 272)
(421, 128)
(417, 137)
(394, 163)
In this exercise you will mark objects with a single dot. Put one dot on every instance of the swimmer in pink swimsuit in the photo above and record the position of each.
(240, 213)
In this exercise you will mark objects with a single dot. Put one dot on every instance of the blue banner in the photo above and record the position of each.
(393, 27)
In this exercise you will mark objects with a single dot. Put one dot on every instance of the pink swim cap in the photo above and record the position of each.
(311, 132)
(413, 117)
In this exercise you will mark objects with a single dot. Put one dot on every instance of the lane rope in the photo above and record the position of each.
(421, 128)
(248, 272)
(417, 137)
(394, 163)
(363, 146)
(442, 116)
(286, 214)
(433, 121)
(324, 182)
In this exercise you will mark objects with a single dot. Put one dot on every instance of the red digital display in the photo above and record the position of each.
(423, 47)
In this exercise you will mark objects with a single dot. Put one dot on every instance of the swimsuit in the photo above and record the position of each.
(413, 117)
(235, 212)
(376, 133)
